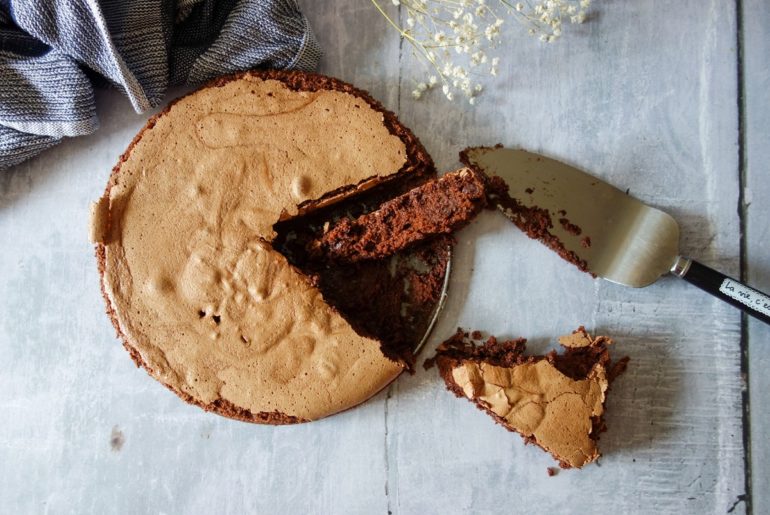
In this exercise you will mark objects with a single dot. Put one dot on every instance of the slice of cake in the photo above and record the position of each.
(197, 284)
(555, 401)
(440, 206)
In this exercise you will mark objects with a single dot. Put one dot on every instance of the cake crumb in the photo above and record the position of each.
(477, 335)
(429, 363)
(530, 191)
(570, 227)
(552, 471)
(586, 242)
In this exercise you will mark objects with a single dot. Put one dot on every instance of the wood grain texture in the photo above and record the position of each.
(756, 197)
(644, 95)
(647, 103)
(69, 386)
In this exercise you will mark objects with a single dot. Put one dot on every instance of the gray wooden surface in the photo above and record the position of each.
(756, 213)
(646, 95)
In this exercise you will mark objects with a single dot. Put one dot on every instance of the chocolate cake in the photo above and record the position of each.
(439, 206)
(196, 236)
(555, 401)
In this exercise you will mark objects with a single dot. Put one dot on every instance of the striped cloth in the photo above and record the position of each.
(53, 53)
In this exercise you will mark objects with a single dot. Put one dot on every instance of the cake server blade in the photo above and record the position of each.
(618, 237)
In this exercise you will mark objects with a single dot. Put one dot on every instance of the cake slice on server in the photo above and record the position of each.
(556, 401)
(438, 207)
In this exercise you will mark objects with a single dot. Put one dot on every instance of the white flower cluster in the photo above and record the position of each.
(545, 19)
(455, 36)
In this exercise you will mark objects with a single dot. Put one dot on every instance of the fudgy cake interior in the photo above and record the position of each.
(555, 401)
(438, 206)
(389, 299)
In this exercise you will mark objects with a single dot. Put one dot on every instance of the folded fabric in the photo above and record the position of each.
(53, 53)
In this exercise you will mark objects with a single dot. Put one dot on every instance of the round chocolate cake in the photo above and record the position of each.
(194, 240)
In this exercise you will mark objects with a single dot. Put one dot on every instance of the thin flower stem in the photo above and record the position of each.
(413, 41)
(394, 24)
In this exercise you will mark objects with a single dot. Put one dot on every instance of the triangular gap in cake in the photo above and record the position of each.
(390, 300)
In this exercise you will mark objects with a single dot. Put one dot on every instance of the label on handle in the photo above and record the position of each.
(747, 296)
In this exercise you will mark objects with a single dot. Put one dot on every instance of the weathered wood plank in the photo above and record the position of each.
(756, 69)
(647, 101)
(644, 96)
(67, 383)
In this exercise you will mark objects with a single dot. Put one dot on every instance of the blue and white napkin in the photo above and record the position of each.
(54, 52)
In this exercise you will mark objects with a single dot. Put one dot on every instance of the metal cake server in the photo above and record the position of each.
(619, 238)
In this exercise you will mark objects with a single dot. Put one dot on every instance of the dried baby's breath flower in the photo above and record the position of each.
(455, 37)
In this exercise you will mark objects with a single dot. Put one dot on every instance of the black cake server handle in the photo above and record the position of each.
(732, 291)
